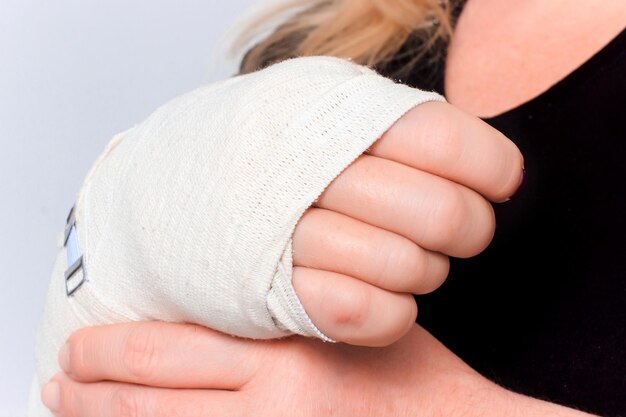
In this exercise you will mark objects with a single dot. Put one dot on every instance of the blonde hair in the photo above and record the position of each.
(369, 32)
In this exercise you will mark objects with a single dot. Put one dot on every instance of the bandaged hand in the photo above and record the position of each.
(311, 197)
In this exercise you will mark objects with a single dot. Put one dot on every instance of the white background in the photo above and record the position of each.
(72, 74)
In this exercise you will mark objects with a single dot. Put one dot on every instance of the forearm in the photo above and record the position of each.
(521, 405)
(438, 383)
(475, 396)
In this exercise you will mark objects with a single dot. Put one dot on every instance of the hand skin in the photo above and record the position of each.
(384, 228)
(156, 369)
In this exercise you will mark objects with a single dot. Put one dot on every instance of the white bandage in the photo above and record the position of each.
(188, 216)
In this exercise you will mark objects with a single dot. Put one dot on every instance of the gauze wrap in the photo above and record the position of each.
(188, 216)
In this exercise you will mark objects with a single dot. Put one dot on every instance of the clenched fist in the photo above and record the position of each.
(384, 229)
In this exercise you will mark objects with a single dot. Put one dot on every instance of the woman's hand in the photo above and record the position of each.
(138, 369)
(156, 369)
(384, 228)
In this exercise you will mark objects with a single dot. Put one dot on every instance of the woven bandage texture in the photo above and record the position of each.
(188, 216)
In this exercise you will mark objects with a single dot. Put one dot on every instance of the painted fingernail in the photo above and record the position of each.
(51, 396)
(64, 358)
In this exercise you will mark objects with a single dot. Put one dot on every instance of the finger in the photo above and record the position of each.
(113, 399)
(160, 354)
(331, 241)
(352, 311)
(445, 141)
(435, 213)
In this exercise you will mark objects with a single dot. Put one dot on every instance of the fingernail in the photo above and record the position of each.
(51, 396)
(64, 358)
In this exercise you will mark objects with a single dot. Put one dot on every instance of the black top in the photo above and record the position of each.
(542, 310)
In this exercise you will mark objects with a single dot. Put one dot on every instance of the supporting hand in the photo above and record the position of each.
(159, 369)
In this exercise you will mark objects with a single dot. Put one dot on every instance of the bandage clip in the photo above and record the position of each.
(74, 257)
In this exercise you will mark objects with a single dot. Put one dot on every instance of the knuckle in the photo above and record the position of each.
(447, 218)
(413, 259)
(140, 352)
(126, 402)
(403, 262)
(351, 308)
(389, 260)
